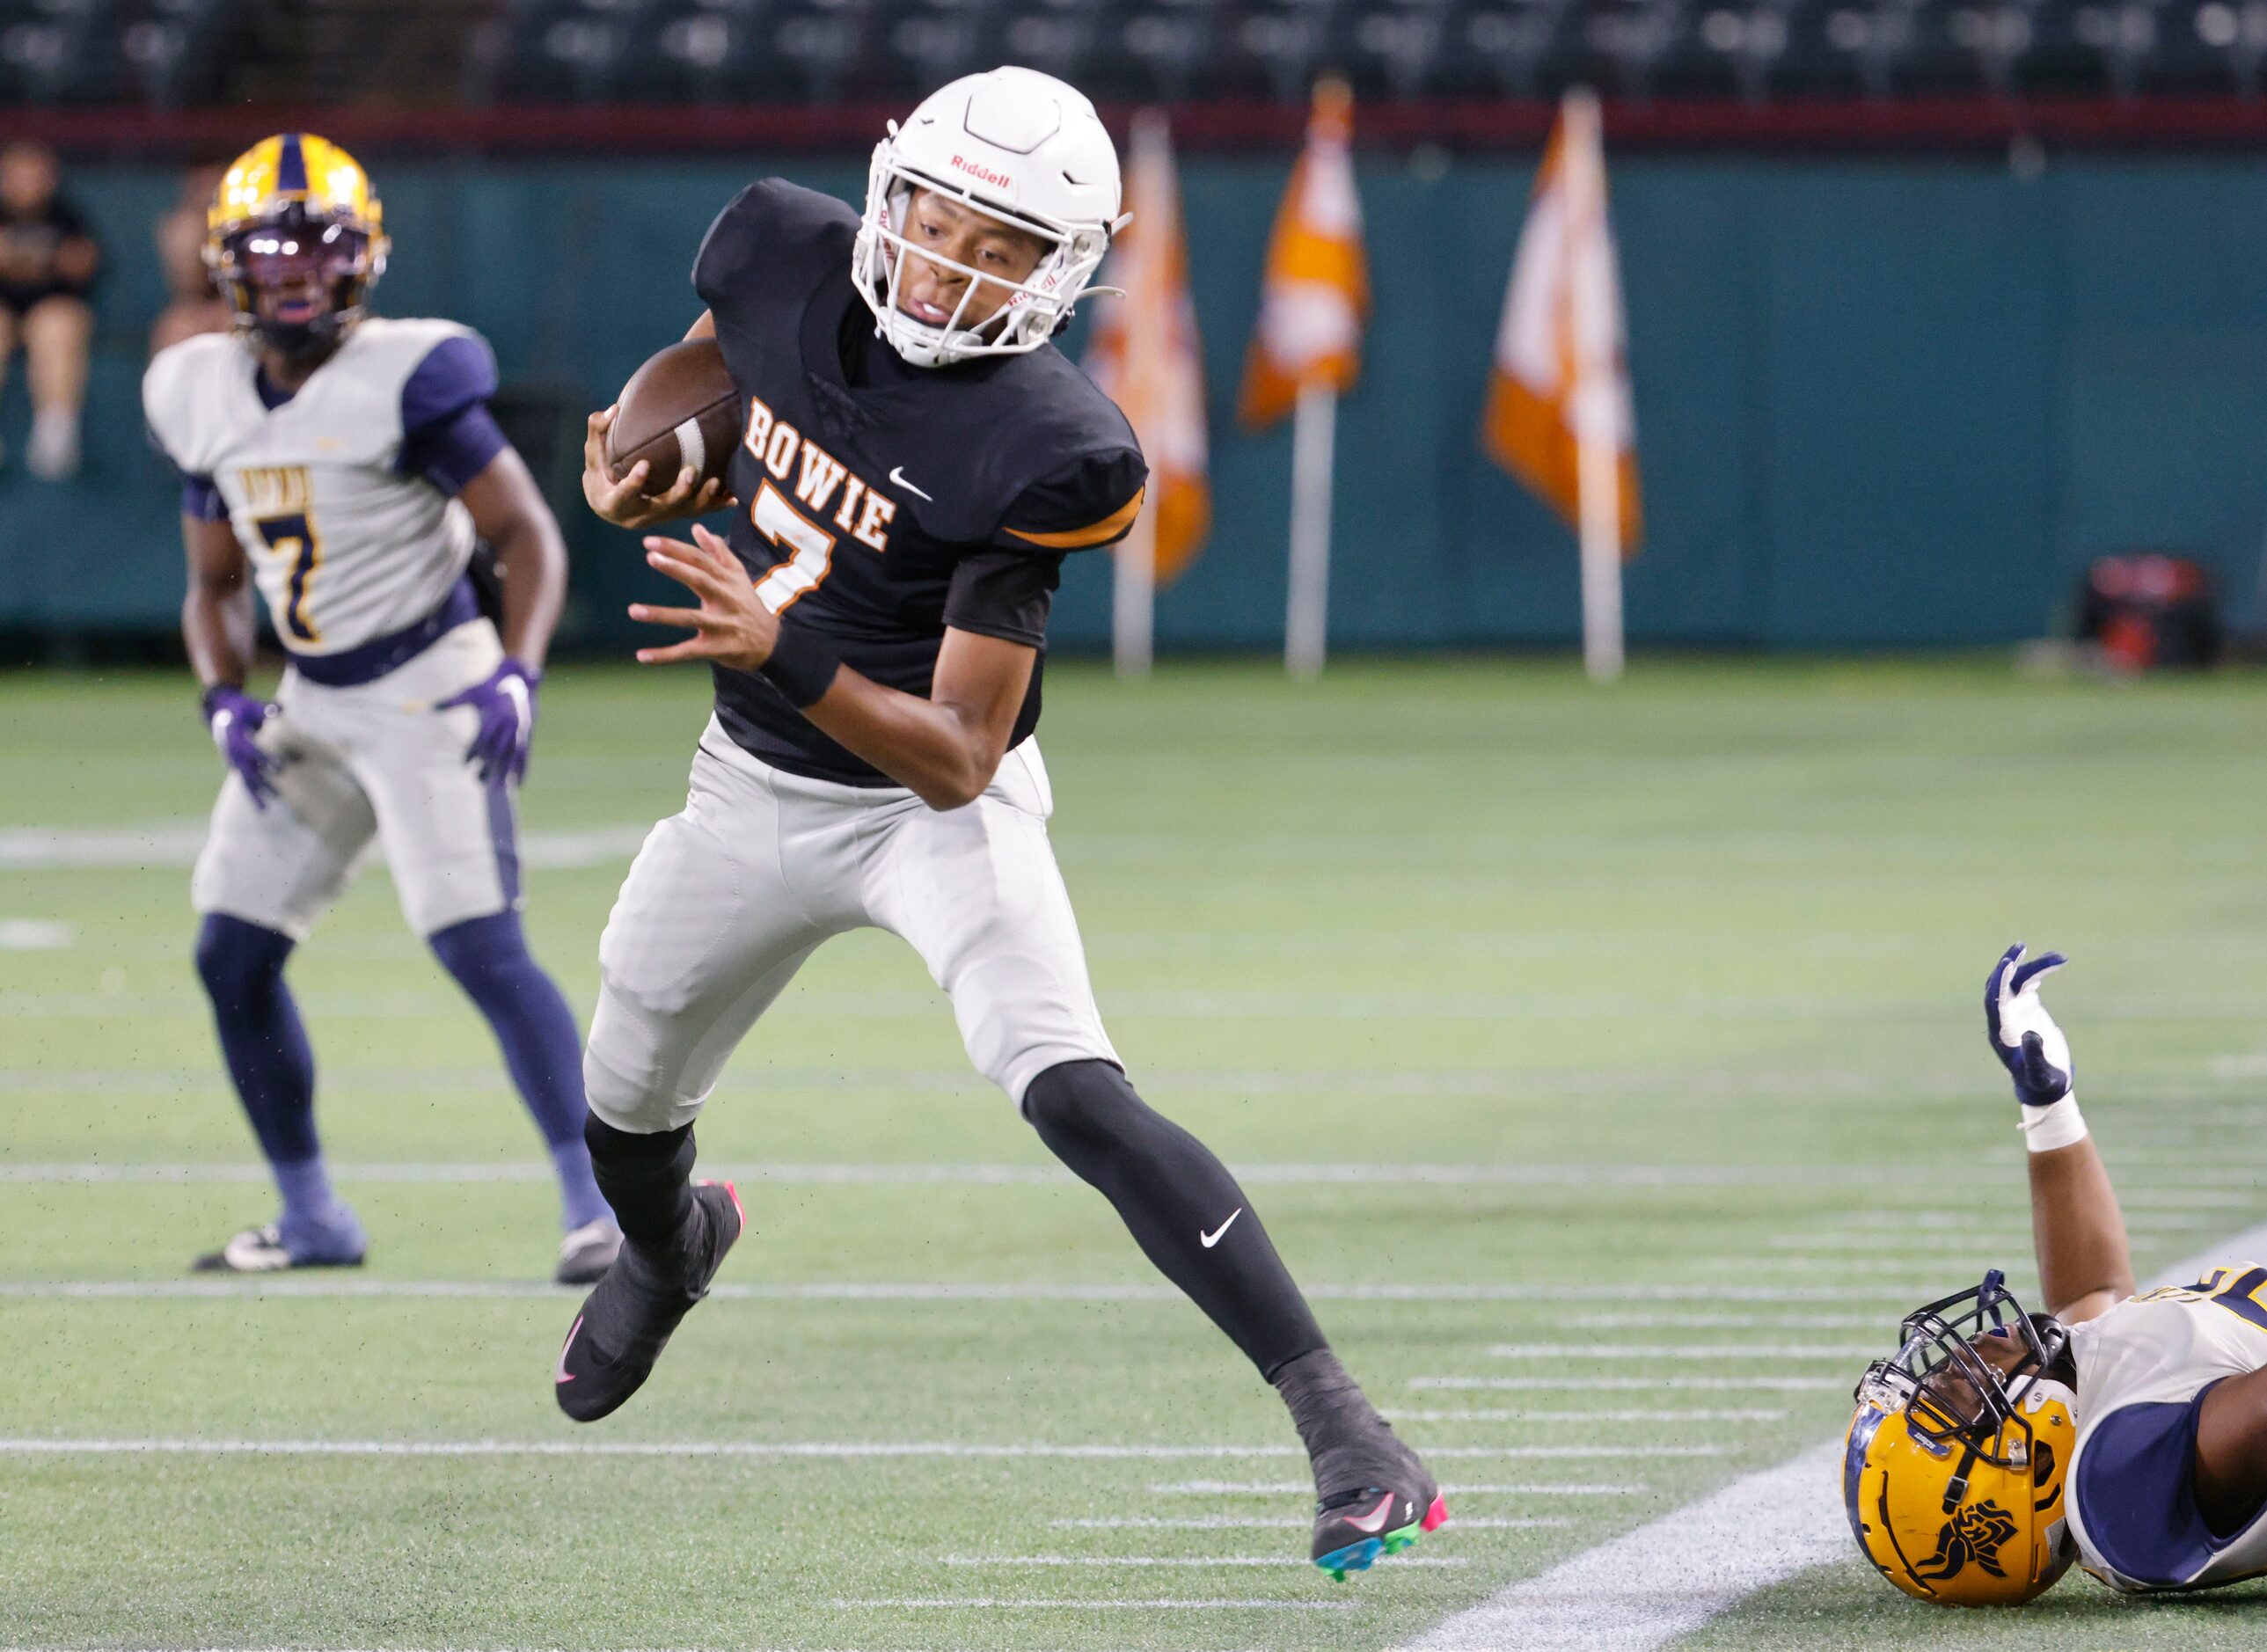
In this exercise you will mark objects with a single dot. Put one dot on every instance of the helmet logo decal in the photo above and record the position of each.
(998, 181)
(1977, 1533)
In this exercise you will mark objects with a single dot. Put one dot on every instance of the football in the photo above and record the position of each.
(680, 408)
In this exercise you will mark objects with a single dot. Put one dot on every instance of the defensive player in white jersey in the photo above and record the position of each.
(917, 461)
(2126, 1432)
(350, 463)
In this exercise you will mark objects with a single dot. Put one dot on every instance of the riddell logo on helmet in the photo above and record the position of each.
(998, 181)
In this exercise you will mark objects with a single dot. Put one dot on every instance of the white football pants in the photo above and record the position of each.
(370, 761)
(726, 900)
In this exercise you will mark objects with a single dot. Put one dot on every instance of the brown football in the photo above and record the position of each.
(680, 408)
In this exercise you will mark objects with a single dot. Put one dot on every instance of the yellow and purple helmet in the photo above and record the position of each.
(1952, 1469)
(295, 221)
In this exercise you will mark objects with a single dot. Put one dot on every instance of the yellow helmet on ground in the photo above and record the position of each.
(1952, 1469)
(296, 239)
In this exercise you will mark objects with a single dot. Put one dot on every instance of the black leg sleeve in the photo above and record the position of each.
(647, 1179)
(1185, 1210)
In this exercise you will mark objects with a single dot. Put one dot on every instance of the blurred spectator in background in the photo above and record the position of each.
(193, 304)
(49, 258)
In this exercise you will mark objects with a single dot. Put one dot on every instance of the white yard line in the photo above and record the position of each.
(1757, 1351)
(1170, 1562)
(1236, 1522)
(1304, 1174)
(160, 1447)
(1634, 1384)
(1026, 1602)
(329, 1289)
(1522, 1413)
(1278, 1488)
(1666, 1578)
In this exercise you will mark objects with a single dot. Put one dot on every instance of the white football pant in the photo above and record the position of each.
(726, 900)
(372, 760)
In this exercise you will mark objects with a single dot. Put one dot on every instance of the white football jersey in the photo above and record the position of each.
(2140, 1369)
(343, 546)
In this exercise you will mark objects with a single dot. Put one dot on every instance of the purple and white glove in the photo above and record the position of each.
(2032, 1049)
(505, 702)
(235, 718)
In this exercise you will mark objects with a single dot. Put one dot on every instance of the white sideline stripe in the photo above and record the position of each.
(1684, 1351)
(761, 1448)
(176, 844)
(1309, 1174)
(1632, 1384)
(253, 1289)
(1025, 1603)
(1145, 1562)
(1273, 1488)
(1722, 1322)
(1238, 1522)
(1669, 1576)
(1522, 1413)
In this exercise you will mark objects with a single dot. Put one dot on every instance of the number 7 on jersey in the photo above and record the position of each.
(812, 548)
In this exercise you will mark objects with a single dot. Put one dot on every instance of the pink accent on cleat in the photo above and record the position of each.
(1374, 1522)
(733, 1190)
(1437, 1515)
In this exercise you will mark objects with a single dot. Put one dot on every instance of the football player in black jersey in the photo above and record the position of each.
(917, 461)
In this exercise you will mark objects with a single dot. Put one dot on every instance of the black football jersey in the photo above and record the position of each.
(881, 502)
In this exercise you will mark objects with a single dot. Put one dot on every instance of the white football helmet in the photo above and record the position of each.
(1021, 147)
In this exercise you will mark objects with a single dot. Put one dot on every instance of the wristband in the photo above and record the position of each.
(801, 665)
(2057, 1124)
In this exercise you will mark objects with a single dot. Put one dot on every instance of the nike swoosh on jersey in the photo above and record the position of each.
(898, 479)
(1214, 1237)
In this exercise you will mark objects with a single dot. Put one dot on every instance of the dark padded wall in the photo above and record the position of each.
(1880, 403)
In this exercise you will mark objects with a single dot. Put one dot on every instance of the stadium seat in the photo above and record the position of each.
(58, 51)
(1058, 37)
(1158, 49)
(2122, 37)
(1862, 47)
(1520, 49)
(1393, 48)
(920, 44)
(1627, 43)
(1276, 47)
(697, 50)
(1728, 50)
(2211, 46)
(565, 50)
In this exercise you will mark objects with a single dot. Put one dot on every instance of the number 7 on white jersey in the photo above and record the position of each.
(813, 546)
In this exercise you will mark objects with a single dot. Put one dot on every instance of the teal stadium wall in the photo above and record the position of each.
(1880, 402)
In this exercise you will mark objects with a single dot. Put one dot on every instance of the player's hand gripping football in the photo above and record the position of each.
(624, 503)
(235, 718)
(2024, 1036)
(731, 626)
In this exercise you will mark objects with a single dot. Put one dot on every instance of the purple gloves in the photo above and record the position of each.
(234, 718)
(506, 704)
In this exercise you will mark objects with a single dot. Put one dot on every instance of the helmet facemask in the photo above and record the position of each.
(1035, 307)
(295, 250)
(1954, 1398)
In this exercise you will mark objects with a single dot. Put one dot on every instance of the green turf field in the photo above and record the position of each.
(1631, 1037)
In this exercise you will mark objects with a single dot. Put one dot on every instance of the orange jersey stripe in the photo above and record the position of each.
(1101, 533)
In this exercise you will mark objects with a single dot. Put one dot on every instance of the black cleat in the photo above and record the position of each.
(627, 1319)
(1354, 1528)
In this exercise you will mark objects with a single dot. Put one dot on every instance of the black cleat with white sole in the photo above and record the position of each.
(628, 1318)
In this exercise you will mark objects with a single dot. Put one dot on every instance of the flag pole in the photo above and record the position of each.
(1314, 436)
(1133, 599)
(1597, 468)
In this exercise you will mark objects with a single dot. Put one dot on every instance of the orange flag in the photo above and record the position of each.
(1560, 364)
(1315, 292)
(1144, 353)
